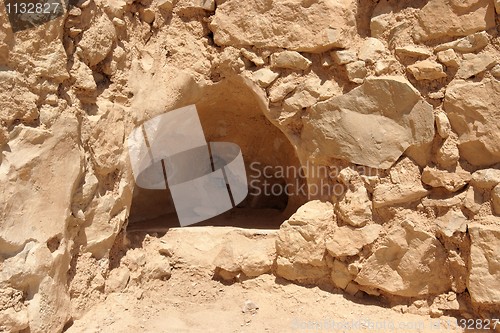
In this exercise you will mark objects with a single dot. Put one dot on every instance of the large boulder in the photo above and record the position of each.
(371, 125)
(409, 262)
(472, 108)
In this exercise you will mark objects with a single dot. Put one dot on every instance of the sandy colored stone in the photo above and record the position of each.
(348, 241)
(371, 50)
(97, 42)
(371, 125)
(409, 262)
(471, 43)
(484, 275)
(340, 275)
(448, 57)
(284, 24)
(355, 207)
(451, 181)
(413, 51)
(471, 108)
(343, 57)
(427, 70)
(486, 178)
(453, 221)
(448, 154)
(117, 280)
(356, 71)
(290, 59)
(475, 64)
(495, 199)
(455, 19)
(442, 124)
(264, 77)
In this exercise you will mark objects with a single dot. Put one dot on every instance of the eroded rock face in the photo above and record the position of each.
(372, 125)
(292, 25)
(474, 115)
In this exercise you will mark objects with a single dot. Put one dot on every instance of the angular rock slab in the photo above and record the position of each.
(484, 271)
(371, 125)
(474, 115)
(290, 24)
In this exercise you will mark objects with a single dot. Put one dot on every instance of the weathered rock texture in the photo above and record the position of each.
(398, 101)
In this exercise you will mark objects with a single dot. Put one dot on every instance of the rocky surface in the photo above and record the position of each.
(396, 102)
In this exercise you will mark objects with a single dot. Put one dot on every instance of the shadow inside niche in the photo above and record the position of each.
(231, 111)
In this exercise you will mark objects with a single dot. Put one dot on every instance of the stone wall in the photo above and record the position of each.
(400, 98)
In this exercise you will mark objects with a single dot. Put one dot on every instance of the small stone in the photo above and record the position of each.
(495, 199)
(347, 241)
(166, 5)
(279, 91)
(486, 178)
(450, 181)
(249, 306)
(443, 124)
(340, 275)
(343, 57)
(448, 57)
(448, 154)
(118, 22)
(435, 313)
(371, 50)
(413, 51)
(474, 65)
(451, 222)
(117, 280)
(264, 77)
(437, 95)
(251, 56)
(471, 202)
(385, 66)
(352, 288)
(291, 60)
(495, 71)
(427, 70)
(356, 71)
(147, 15)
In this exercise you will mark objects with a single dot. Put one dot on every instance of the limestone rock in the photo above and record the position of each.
(279, 91)
(474, 65)
(473, 200)
(427, 70)
(386, 66)
(448, 57)
(343, 57)
(455, 19)
(471, 43)
(395, 194)
(284, 24)
(409, 262)
(340, 275)
(251, 56)
(291, 60)
(450, 181)
(448, 154)
(413, 51)
(495, 71)
(84, 79)
(484, 275)
(381, 18)
(117, 280)
(97, 41)
(486, 178)
(371, 125)
(495, 199)
(347, 241)
(371, 50)
(52, 160)
(451, 222)
(264, 77)
(497, 6)
(443, 125)
(356, 71)
(355, 207)
(301, 239)
(474, 116)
